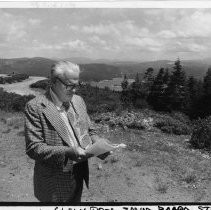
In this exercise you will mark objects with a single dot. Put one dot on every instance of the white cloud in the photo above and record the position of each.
(55, 28)
(195, 47)
(73, 27)
(143, 42)
(69, 45)
(195, 25)
(112, 48)
(76, 44)
(167, 34)
(153, 12)
(179, 23)
(185, 46)
(15, 32)
(98, 41)
(115, 29)
(100, 29)
(119, 32)
(185, 32)
(34, 22)
(12, 28)
(43, 46)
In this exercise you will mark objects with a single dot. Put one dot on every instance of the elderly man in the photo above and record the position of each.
(57, 131)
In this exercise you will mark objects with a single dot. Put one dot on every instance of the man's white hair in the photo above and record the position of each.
(63, 68)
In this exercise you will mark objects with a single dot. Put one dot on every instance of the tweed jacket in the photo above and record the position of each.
(47, 142)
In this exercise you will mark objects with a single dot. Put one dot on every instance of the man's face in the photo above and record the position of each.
(65, 88)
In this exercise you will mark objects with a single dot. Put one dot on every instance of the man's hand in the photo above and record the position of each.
(104, 155)
(82, 155)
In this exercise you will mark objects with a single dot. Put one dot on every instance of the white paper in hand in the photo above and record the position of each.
(101, 147)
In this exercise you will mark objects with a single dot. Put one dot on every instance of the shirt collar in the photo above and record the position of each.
(55, 99)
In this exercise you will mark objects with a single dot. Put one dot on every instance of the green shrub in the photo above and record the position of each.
(99, 100)
(43, 84)
(3, 120)
(190, 178)
(113, 159)
(142, 120)
(162, 187)
(173, 126)
(136, 125)
(16, 121)
(181, 117)
(21, 133)
(7, 131)
(13, 101)
(13, 78)
(201, 136)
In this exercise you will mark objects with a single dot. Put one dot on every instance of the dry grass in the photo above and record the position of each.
(113, 159)
(165, 158)
(161, 185)
(169, 153)
(138, 163)
(16, 122)
(190, 177)
(3, 120)
(6, 131)
(21, 133)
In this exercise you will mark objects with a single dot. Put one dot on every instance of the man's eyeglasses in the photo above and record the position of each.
(69, 87)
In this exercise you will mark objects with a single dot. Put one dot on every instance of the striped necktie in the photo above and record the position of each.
(66, 105)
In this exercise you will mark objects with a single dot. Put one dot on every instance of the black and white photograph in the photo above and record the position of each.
(105, 104)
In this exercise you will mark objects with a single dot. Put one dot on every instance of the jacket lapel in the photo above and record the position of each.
(54, 118)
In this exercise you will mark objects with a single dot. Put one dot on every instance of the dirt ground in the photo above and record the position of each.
(125, 176)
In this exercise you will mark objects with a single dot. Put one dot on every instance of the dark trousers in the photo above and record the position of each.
(55, 188)
(78, 192)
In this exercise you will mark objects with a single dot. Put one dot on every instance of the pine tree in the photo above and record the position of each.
(124, 83)
(147, 82)
(148, 76)
(137, 80)
(136, 91)
(140, 89)
(207, 83)
(207, 94)
(125, 94)
(166, 80)
(176, 90)
(166, 77)
(156, 96)
(193, 97)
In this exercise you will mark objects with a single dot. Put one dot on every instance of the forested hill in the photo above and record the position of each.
(32, 66)
(97, 72)
(39, 66)
(195, 68)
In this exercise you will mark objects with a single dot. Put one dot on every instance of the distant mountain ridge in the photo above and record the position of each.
(195, 68)
(100, 69)
(85, 60)
(37, 66)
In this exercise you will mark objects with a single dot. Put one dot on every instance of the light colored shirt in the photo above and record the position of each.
(64, 117)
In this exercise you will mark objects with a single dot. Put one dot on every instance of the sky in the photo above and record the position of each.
(100, 33)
